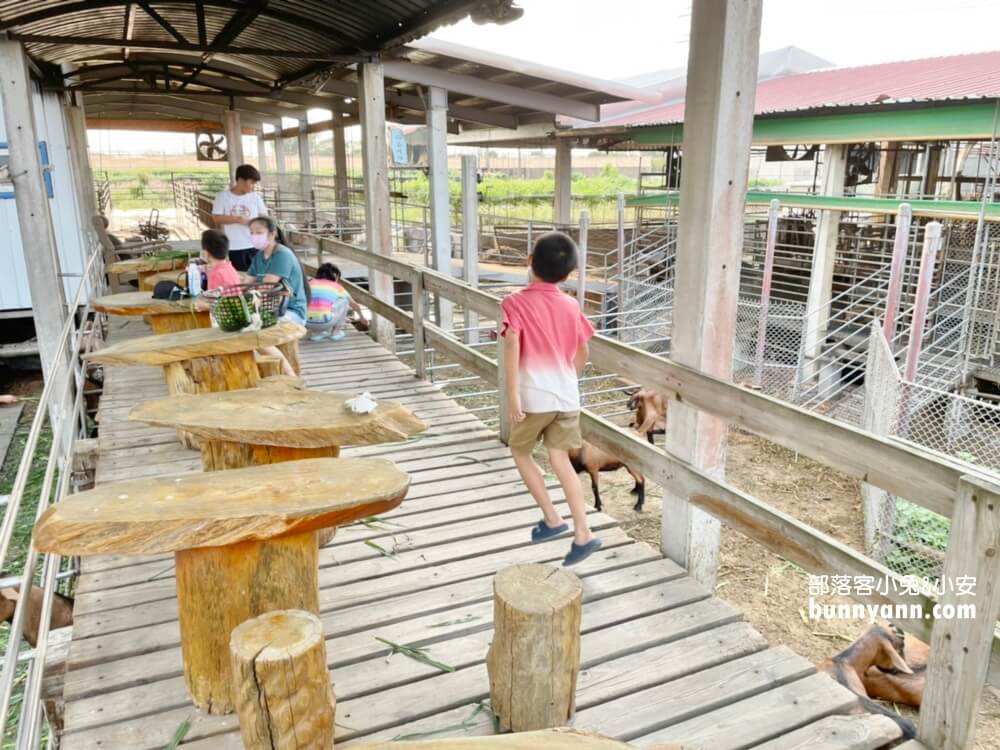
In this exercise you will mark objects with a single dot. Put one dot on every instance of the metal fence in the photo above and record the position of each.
(60, 417)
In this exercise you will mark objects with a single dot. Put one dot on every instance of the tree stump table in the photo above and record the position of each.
(164, 315)
(147, 266)
(243, 543)
(534, 659)
(177, 276)
(205, 360)
(254, 427)
(257, 426)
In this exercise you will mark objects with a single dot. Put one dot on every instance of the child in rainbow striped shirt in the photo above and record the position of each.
(328, 307)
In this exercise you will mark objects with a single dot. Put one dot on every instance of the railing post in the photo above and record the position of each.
(904, 218)
(581, 271)
(765, 290)
(932, 241)
(503, 405)
(419, 338)
(470, 240)
(530, 238)
(961, 647)
(621, 266)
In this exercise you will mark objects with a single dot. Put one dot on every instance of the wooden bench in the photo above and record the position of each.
(244, 543)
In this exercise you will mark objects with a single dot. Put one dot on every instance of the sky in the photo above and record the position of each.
(640, 36)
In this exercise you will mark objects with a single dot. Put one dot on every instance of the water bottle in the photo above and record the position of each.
(193, 279)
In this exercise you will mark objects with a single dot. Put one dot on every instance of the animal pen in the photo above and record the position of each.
(404, 599)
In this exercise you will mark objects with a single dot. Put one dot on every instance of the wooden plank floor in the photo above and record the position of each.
(663, 660)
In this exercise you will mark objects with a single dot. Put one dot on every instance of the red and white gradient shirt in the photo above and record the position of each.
(552, 329)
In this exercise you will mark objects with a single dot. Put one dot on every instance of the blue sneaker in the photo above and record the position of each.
(319, 337)
(542, 531)
(338, 336)
(580, 552)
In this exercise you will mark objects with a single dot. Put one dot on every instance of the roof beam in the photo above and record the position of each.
(162, 21)
(199, 10)
(90, 41)
(80, 6)
(166, 125)
(129, 27)
(499, 92)
(411, 101)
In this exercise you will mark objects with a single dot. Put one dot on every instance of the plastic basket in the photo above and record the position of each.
(233, 307)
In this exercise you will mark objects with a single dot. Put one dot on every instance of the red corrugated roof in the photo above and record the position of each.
(973, 76)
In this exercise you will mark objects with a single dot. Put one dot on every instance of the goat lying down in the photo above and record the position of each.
(877, 649)
(62, 611)
(900, 686)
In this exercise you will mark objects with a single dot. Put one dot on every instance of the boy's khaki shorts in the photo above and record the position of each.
(560, 429)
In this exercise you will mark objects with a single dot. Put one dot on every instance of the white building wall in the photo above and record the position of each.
(71, 239)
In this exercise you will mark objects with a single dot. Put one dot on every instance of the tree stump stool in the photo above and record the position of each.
(281, 685)
(244, 543)
(206, 360)
(291, 352)
(535, 655)
(268, 366)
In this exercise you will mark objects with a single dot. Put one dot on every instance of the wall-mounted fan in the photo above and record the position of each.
(211, 147)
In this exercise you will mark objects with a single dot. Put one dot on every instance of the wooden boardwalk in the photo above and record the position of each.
(663, 660)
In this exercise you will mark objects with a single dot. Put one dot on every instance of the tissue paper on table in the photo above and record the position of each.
(363, 404)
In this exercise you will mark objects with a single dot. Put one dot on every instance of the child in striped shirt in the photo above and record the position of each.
(329, 305)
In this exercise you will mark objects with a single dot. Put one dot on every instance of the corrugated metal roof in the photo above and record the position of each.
(958, 77)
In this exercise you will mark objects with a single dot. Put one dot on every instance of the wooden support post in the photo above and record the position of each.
(213, 586)
(261, 151)
(41, 256)
(722, 68)
(887, 168)
(305, 159)
(279, 157)
(534, 659)
(378, 227)
(437, 158)
(470, 239)
(824, 255)
(234, 140)
(901, 243)
(76, 130)
(281, 683)
(960, 646)
(773, 212)
(419, 336)
(881, 402)
(340, 178)
(581, 268)
(563, 203)
(928, 257)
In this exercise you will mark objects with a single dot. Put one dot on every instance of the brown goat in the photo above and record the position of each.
(62, 611)
(591, 459)
(877, 647)
(650, 410)
(898, 686)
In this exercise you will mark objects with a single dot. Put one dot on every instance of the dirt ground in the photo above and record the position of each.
(772, 592)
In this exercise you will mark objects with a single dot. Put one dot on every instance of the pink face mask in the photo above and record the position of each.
(259, 241)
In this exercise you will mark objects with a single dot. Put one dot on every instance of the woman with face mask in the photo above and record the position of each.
(275, 263)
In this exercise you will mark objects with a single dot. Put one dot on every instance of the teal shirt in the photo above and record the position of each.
(283, 263)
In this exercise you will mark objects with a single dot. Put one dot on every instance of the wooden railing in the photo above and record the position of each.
(961, 650)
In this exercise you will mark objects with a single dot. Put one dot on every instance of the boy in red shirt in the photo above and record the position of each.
(215, 253)
(545, 348)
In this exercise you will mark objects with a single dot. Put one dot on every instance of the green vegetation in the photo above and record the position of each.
(917, 529)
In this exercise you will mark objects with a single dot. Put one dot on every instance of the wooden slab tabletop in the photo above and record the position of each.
(282, 417)
(217, 509)
(147, 263)
(178, 276)
(199, 342)
(139, 303)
